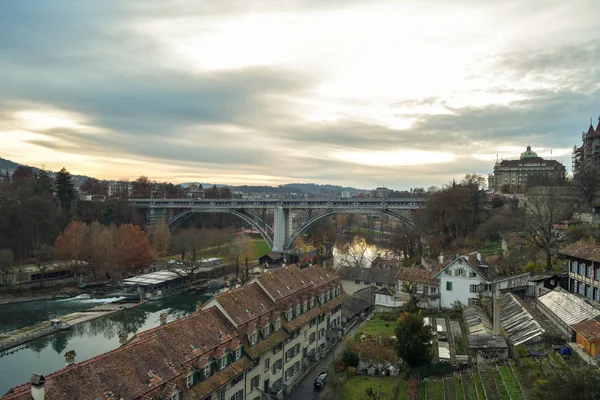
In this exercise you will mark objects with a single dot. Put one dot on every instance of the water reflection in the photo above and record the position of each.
(89, 339)
(358, 250)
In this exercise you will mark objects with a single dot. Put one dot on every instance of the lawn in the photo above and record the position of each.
(378, 327)
(260, 248)
(356, 386)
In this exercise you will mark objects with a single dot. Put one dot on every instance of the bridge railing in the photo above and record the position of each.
(408, 203)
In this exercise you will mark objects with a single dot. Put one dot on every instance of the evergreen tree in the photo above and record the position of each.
(414, 339)
(65, 189)
(43, 184)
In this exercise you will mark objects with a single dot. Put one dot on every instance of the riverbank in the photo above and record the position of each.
(27, 334)
(19, 297)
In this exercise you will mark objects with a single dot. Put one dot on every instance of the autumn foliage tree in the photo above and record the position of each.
(110, 249)
(160, 238)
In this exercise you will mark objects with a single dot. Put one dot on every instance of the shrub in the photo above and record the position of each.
(350, 357)
(351, 371)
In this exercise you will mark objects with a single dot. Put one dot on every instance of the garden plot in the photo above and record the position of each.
(449, 390)
(510, 382)
(500, 385)
(489, 384)
(481, 395)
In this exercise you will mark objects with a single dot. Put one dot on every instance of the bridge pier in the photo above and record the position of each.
(282, 227)
(153, 215)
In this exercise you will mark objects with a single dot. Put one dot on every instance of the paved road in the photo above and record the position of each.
(305, 389)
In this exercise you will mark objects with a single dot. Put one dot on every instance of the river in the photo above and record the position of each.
(89, 339)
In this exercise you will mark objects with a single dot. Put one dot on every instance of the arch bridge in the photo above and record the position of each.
(280, 237)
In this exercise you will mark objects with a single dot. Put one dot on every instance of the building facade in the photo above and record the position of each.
(357, 278)
(249, 343)
(513, 176)
(467, 280)
(583, 260)
(589, 151)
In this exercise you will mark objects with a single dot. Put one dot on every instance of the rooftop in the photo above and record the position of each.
(477, 321)
(376, 274)
(568, 307)
(518, 324)
(417, 275)
(153, 278)
(582, 250)
(245, 303)
(282, 282)
(589, 329)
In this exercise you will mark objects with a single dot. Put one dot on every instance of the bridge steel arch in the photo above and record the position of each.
(302, 228)
(265, 231)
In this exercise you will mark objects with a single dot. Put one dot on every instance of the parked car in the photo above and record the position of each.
(321, 379)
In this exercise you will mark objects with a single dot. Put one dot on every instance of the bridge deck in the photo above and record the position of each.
(407, 203)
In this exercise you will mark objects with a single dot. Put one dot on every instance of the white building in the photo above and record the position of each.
(467, 280)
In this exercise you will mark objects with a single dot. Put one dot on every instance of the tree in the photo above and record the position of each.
(70, 244)
(7, 260)
(545, 207)
(141, 188)
(579, 383)
(22, 174)
(350, 357)
(587, 179)
(160, 238)
(414, 338)
(354, 253)
(94, 187)
(241, 247)
(43, 256)
(132, 248)
(65, 189)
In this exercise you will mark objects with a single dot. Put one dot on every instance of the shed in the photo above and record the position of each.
(588, 336)
(565, 309)
(519, 325)
(271, 259)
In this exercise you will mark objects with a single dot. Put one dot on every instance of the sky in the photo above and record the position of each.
(363, 93)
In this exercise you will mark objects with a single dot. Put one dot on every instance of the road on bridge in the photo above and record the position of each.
(305, 389)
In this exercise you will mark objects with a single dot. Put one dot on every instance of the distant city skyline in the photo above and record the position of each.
(400, 94)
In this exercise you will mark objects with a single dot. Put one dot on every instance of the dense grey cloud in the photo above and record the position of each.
(141, 103)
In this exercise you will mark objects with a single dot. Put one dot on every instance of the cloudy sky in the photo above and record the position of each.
(363, 93)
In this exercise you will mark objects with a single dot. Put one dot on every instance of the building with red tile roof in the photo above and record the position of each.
(246, 342)
(588, 336)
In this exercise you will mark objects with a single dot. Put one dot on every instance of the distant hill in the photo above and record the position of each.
(11, 166)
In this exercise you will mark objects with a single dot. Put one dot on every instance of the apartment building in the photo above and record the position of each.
(583, 260)
(249, 343)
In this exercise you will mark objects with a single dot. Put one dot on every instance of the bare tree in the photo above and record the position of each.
(7, 260)
(545, 207)
(43, 257)
(587, 180)
(354, 253)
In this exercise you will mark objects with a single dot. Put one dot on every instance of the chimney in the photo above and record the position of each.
(37, 386)
(478, 256)
(123, 338)
(70, 357)
(496, 317)
(163, 318)
(199, 305)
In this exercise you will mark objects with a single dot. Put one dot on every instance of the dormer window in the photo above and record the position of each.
(322, 299)
(190, 380)
(305, 306)
(253, 338)
(277, 324)
(298, 310)
(223, 362)
(266, 331)
(312, 301)
(288, 315)
(237, 353)
(206, 372)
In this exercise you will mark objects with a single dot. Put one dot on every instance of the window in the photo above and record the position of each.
(447, 271)
(207, 370)
(239, 395)
(473, 288)
(298, 310)
(266, 331)
(379, 283)
(277, 348)
(190, 380)
(209, 397)
(472, 274)
(223, 362)
(312, 322)
(432, 290)
(253, 338)
(367, 282)
(288, 315)
(237, 380)
(277, 365)
(473, 302)
(277, 325)
(459, 272)
(322, 333)
(322, 299)
(254, 382)
(267, 364)
(312, 301)
(311, 339)
(449, 286)
(237, 353)
(221, 396)
(305, 306)
(598, 274)
(174, 396)
(357, 282)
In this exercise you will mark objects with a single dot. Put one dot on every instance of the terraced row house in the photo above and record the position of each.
(252, 343)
